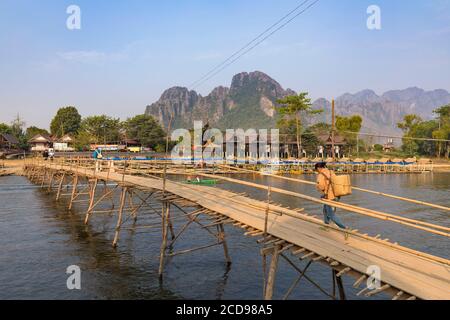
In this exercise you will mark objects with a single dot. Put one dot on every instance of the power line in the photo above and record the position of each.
(248, 44)
(396, 137)
(256, 44)
(379, 136)
(241, 51)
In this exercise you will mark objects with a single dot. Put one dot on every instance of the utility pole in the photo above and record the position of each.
(332, 128)
(357, 144)
(168, 133)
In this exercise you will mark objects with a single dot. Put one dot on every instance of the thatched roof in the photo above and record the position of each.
(41, 138)
(65, 139)
(10, 138)
(326, 139)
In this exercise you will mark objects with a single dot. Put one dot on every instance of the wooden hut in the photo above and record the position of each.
(8, 141)
(327, 141)
(40, 142)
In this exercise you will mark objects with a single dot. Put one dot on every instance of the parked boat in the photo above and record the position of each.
(202, 181)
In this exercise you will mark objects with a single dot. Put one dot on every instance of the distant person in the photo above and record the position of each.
(320, 155)
(304, 153)
(45, 154)
(325, 187)
(51, 153)
(337, 151)
(97, 155)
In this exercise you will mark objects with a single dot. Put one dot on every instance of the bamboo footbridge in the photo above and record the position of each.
(280, 232)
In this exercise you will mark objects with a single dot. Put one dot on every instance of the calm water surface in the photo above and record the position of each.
(39, 239)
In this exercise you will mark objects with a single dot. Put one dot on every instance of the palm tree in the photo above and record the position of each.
(292, 108)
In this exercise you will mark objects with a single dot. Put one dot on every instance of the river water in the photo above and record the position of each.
(39, 239)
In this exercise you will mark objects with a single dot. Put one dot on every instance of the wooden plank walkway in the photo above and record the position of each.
(419, 274)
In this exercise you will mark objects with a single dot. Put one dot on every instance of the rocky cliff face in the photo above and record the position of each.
(250, 103)
(419, 101)
(382, 113)
(174, 102)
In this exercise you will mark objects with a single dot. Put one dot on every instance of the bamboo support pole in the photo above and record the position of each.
(271, 276)
(74, 191)
(381, 289)
(107, 192)
(359, 281)
(194, 249)
(297, 280)
(340, 285)
(221, 237)
(91, 200)
(44, 176)
(119, 218)
(398, 295)
(162, 253)
(50, 184)
(306, 276)
(61, 182)
(170, 225)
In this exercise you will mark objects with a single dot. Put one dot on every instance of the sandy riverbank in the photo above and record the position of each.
(441, 165)
(10, 167)
(441, 168)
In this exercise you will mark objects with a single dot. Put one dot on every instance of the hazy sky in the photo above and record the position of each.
(128, 52)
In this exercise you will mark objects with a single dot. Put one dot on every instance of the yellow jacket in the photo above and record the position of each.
(324, 183)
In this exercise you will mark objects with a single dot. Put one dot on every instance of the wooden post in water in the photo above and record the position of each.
(267, 211)
(92, 190)
(264, 256)
(58, 194)
(340, 286)
(119, 218)
(164, 214)
(333, 277)
(44, 176)
(133, 209)
(124, 169)
(74, 191)
(50, 184)
(221, 231)
(337, 281)
(170, 225)
(272, 272)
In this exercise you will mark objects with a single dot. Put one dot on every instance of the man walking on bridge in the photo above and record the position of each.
(324, 186)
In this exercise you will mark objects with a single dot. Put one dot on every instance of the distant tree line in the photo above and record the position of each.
(413, 126)
(98, 129)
